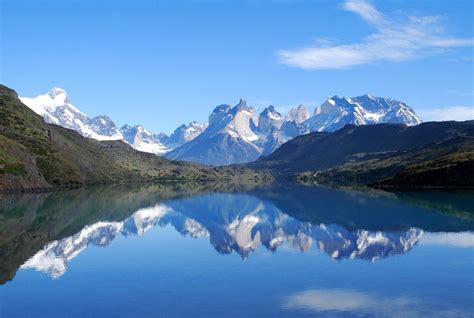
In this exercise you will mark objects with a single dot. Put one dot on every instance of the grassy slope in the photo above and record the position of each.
(433, 154)
(320, 151)
(34, 154)
(443, 165)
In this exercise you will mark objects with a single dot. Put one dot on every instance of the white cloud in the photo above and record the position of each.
(366, 11)
(463, 239)
(459, 113)
(363, 303)
(392, 41)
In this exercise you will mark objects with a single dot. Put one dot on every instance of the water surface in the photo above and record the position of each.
(240, 251)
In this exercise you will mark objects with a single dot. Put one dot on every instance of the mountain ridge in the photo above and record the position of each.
(55, 107)
(238, 134)
(233, 134)
(37, 155)
(431, 154)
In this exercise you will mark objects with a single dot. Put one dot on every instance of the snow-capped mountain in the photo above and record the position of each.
(268, 120)
(56, 108)
(228, 139)
(143, 140)
(233, 223)
(185, 133)
(103, 126)
(274, 130)
(336, 112)
(237, 135)
(234, 134)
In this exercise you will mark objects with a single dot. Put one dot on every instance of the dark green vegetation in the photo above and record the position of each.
(432, 154)
(37, 155)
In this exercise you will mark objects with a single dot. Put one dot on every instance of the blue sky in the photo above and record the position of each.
(163, 63)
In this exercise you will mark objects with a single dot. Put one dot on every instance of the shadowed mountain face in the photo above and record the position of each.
(432, 154)
(322, 150)
(48, 231)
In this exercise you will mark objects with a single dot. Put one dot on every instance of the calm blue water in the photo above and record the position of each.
(243, 251)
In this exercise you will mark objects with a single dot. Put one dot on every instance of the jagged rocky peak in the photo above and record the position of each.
(237, 118)
(242, 103)
(270, 111)
(234, 134)
(219, 114)
(298, 114)
(55, 108)
(133, 132)
(242, 106)
(143, 140)
(332, 105)
(243, 122)
(140, 138)
(396, 111)
(269, 118)
(103, 125)
(185, 133)
(228, 139)
(337, 111)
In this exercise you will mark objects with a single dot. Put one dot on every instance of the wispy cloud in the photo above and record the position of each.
(346, 300)
(363, 303)
(447, 113)
(392, 41)
(463, 239)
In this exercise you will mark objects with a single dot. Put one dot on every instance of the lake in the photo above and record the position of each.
(239, 250)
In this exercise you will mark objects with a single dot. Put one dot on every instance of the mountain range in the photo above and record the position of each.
(233, 134)
(32, 220)
(37, 155)
(431, 154)
(41, 154)
(55, 107)
(233, 223)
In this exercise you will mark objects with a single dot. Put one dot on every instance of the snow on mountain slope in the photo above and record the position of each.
(274, 130)
(244, 122)
(185, 133)
(237, 135)
(143, 140)
(228, 139)
(56, 108)
(234, 134)
(268, 120)
(336, 112)
(233, 223)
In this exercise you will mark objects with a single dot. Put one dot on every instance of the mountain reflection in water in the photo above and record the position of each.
(55, 228)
